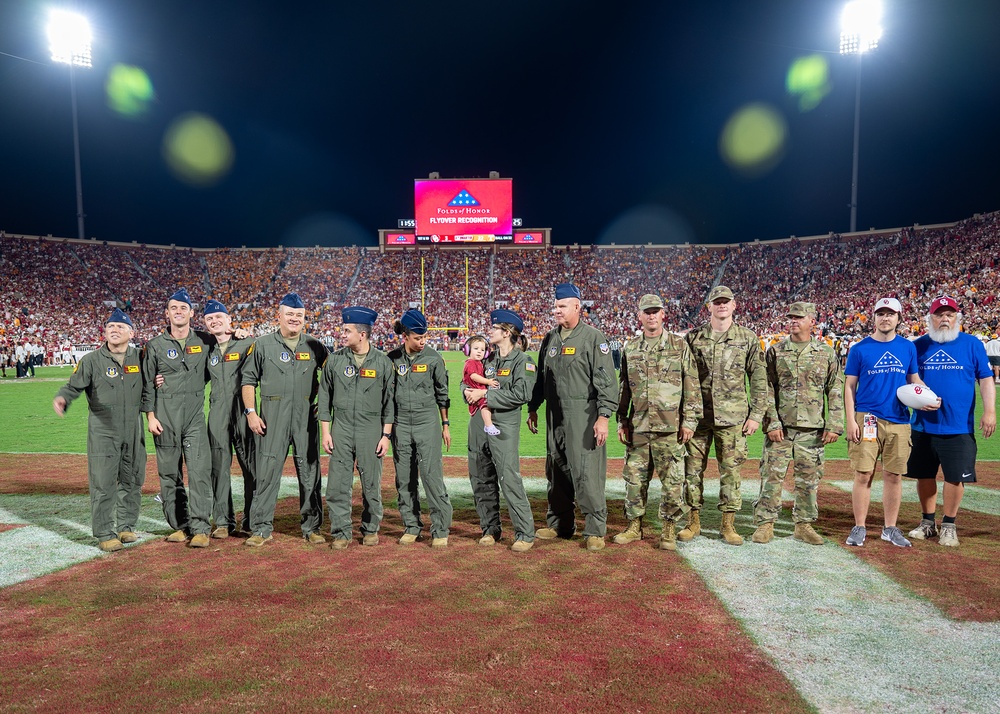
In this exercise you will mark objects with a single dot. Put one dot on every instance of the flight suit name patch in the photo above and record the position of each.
(232, 357)
(368, 374)
(131, 369)
(303, 356)
(194, 349)
(503, 372)
(569, 350)
(420, 368)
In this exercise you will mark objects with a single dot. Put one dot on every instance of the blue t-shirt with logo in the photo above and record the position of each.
(881, 368)
(952, 370)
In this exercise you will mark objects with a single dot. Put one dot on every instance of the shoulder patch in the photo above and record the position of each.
(529, 367)
(76, 367)
(603, 347)
(250, 351)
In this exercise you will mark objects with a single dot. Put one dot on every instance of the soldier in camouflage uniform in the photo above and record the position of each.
(659, 407)
(801, 373)
(727, 355)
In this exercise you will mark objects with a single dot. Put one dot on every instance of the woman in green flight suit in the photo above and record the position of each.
(494, 461)
(421, 426)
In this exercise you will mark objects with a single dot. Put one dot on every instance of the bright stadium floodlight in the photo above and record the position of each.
(69, 38)
(860, 26)
(69, 42)
(860, 31)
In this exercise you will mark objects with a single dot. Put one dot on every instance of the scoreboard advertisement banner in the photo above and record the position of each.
(529, 238)
(400, 239)
(463, 210)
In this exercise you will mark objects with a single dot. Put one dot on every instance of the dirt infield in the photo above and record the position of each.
(291, 626)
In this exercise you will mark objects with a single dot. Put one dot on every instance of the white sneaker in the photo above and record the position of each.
(949, 535)
(925, 531)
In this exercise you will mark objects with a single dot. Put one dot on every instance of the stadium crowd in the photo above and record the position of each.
(56, 291)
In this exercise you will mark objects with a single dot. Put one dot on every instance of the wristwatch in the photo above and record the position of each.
(445, 423)
(387, 436)
(248, 411)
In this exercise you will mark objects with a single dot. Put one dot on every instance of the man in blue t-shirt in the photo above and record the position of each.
(951, 363)
(877, 422)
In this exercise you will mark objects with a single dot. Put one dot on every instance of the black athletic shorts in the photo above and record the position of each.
(994, 361)
(954, 453)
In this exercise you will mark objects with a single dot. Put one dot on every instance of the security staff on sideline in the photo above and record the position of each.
(576, 380)
(175, 414)
(421, 400)
(495, 460)
(285, 365)
(356, 412)
(227, 427)
(727, 355)
(803, 376)
(659, 407)
(116, 449)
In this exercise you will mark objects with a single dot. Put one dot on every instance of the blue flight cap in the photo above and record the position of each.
(358, 316)
(507, 316)
(567, 290)
(120, 317)
(181, 296)
(213, 306)
(292, 300)
(414, 321)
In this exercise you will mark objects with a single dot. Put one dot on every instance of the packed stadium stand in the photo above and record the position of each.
(54, 291)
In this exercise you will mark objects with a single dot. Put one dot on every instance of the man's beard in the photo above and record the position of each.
(945, 335)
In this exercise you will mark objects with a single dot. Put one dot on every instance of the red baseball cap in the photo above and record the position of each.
(944, 301)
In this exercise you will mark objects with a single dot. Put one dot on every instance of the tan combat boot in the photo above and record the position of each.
(728, 532)
(630, 534)
(668, 540)
(764, 533)
(692, 529)
(805, 533)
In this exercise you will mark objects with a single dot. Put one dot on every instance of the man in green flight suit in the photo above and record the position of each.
(285, 365)
(576, 380)
(227, 427)
(421, 426)
(175, 415)
(727, 355)
(802, 373)
(356, 412)
(116, 450)
(658, 411)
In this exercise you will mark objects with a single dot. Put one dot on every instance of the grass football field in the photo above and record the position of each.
(28, 404)
(783, 627)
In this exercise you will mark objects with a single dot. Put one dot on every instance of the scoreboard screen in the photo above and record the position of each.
(463, 210)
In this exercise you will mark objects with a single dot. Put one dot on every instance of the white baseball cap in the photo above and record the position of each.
(888, 302)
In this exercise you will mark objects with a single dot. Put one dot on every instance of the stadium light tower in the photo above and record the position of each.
(69, 42)
(860, 31)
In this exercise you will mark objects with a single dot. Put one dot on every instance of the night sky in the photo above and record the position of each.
(607, 116)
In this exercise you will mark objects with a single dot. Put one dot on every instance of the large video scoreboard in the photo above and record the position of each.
(462, 212)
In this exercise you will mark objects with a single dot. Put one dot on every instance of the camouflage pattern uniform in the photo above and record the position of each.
(658, 395)
(798, 379)
(723, 368)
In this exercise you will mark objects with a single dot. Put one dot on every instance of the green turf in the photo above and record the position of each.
(30, 425)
